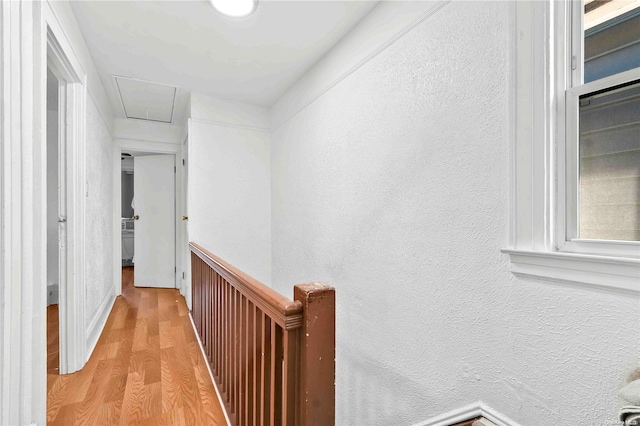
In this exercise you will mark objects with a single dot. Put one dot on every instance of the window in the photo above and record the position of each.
(576, 153)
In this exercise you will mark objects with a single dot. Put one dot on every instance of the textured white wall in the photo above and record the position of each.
(393, 187)
(230, 194)
(99, 219)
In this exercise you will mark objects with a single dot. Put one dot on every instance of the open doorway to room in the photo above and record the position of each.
(127, 221)
(55, 224)
(64, 109)
(148, 220)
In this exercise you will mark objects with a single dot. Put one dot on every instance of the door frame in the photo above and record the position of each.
(151, 148)
(61, 59)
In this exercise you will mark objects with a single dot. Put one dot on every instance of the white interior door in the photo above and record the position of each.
(154, 208)
(186, 253)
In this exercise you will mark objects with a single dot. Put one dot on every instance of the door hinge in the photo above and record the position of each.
(175, 270)
(574, 63)
(183, 161)
(174, 169)
(183, 277)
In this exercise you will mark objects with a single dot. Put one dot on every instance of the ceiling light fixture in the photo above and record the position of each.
(235, 8)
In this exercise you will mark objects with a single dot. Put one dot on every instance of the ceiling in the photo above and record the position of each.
(189, 45)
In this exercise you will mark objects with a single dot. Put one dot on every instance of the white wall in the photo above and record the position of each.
(229, 184)
(393, 186)
(98, 222)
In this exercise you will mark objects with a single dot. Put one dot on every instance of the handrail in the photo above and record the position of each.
(272, 359)
(286, 312)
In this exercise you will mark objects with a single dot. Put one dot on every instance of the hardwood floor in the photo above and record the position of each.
(53, 340)
(147, 368)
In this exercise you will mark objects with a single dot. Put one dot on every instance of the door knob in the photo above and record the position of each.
(136, 217)
(185, 217)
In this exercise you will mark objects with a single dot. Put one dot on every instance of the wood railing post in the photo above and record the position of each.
(317, 354)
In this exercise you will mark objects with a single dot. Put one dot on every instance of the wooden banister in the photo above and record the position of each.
(272, 358)
(284, 311)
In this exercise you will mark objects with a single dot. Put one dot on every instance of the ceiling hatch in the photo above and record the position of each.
(144, 100)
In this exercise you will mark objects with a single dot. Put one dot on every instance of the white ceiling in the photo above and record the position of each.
(190, 45)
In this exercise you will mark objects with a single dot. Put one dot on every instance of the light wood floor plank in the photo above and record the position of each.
(146, 369)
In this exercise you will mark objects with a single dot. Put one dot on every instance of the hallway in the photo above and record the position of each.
(146, 369)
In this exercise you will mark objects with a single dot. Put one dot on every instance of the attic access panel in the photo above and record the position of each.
(144, 100)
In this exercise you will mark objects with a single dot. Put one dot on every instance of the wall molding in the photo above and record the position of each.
(384, 46)
(469, 412)
(23, 245)
(98, 322)
(232, 125)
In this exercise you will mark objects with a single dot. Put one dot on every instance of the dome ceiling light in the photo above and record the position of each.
(235, 8)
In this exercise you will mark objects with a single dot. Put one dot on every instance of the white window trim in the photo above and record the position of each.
(538, 245)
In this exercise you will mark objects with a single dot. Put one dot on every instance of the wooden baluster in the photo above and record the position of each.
(265, 382)
(220, 329)
(200, 301)
(257, 361)
(290, 376)
(229, 352)
(205, 310)
(276, 374)
(194, 295)
(234, 353)
(216, 322)
(242, 358)
(225, 339)
(317, 354)
(194, 261)
(249, 365)
(211, 306)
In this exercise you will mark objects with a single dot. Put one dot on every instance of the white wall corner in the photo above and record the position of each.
(469, 412)
(98, 322)
(148, 131)
(212, 110)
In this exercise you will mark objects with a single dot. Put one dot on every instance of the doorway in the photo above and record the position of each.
(64, 139)
(55, 225)
(148, 217)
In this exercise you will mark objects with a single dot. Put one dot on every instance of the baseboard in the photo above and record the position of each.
(469, 412)
(98, 322)
(204, 356)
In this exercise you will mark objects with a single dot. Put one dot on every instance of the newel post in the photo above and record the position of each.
(317, 354)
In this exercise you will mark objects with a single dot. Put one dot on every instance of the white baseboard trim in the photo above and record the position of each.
(469, 412)
(193, 325)
(97, 323)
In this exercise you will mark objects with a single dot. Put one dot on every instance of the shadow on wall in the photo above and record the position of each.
(375, 395)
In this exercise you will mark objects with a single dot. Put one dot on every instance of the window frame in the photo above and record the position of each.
(547, 81)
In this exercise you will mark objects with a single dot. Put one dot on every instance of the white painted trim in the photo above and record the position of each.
(204, 356)
(469, 412)
(73, 354)
(186, 252)
(23, 246)
(621, 274)
(541, 243)
(152, 147)
(97, 323)
(117, 223)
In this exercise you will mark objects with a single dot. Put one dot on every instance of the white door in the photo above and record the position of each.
(186, 253)
(154, 211)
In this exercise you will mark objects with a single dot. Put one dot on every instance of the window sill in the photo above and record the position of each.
(592, 270)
